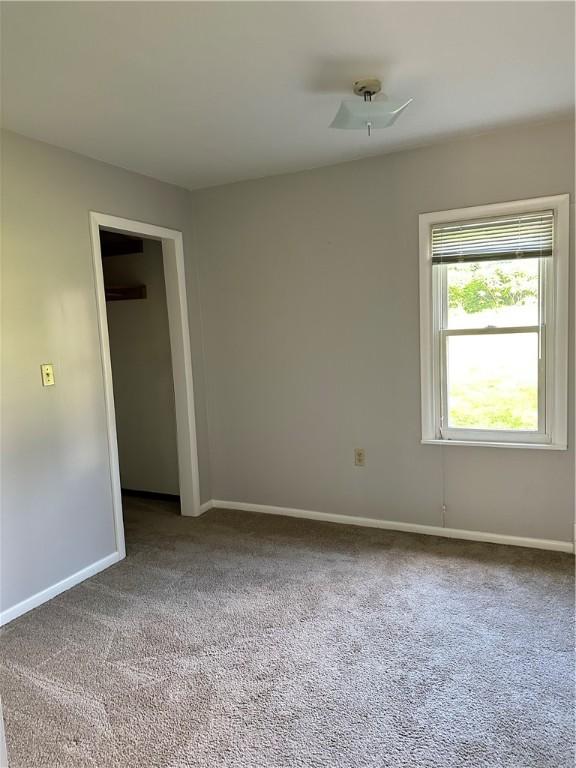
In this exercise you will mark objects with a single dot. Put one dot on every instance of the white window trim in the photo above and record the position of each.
(556, 331)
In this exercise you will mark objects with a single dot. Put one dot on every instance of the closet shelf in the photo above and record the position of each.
(124, 292)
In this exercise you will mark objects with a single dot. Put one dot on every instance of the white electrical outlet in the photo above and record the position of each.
(359, 457)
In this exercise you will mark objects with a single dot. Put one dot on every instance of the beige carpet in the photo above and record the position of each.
(245, 641)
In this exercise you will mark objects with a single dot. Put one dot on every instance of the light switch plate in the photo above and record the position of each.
(47, 374)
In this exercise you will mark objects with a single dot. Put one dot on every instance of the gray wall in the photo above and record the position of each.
(56, 498)
(311, 312)
(142, 373)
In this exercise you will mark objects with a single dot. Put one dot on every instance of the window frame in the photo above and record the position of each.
(552, 431)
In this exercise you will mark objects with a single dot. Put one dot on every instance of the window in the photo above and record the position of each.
(494, 324)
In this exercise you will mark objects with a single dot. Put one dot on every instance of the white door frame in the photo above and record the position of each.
(3, 749)
(174, 278)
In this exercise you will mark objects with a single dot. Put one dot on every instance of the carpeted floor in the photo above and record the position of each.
(245, 641)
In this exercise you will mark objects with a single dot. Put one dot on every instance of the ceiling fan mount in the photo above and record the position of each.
(367, 87)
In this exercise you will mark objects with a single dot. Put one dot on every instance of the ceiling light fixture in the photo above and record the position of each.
(369, 113)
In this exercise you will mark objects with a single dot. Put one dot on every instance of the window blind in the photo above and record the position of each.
(529, 235)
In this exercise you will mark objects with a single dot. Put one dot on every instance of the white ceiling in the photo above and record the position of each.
(207, 93)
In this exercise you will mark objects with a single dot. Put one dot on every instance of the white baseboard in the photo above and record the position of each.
(47, 594)
(393, 525)
(206, 506)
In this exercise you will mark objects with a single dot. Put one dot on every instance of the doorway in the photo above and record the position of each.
(179, 431)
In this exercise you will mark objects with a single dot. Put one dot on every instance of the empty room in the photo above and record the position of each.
(287, 384)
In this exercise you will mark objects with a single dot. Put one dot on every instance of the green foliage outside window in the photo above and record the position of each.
(492, 290)
(485, 405)
(479, 399)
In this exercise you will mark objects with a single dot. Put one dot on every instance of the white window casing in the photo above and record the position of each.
(493, 225)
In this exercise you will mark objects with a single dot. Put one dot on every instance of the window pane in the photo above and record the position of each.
(497, 293)
(493, 381)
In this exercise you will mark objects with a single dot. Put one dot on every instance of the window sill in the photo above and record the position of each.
(486, 444)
